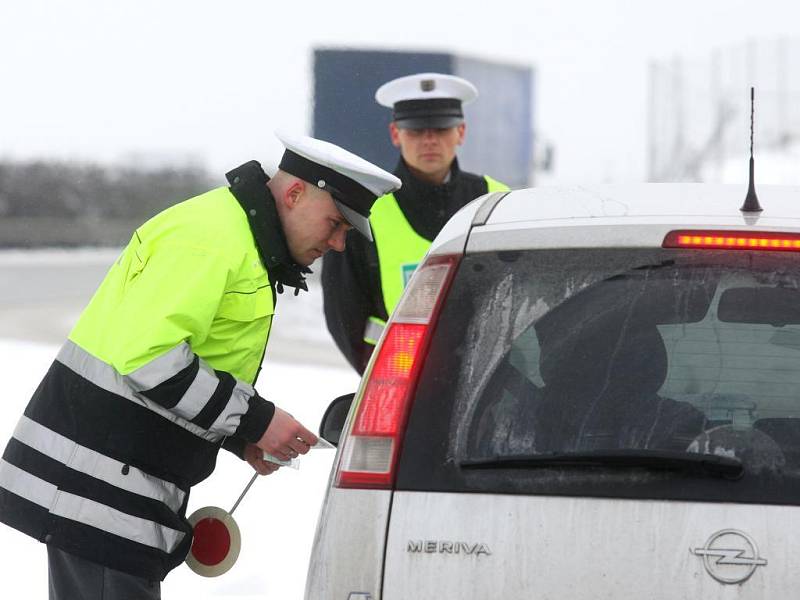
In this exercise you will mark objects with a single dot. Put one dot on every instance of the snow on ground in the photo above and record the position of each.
(277, 517)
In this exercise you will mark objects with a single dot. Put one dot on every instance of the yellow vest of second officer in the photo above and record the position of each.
(400, 249)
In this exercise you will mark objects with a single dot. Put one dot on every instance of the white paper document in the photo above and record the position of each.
(294, 463)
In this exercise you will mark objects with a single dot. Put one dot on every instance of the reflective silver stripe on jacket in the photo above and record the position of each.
(228, 420)
(160, 369)
(97, 465)
(195, 398)
(129, 386)
(88, 512)
(373, 331)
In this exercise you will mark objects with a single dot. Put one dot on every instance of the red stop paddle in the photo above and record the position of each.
(216, 542)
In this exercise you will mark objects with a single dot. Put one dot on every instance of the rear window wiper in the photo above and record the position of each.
(723, 466)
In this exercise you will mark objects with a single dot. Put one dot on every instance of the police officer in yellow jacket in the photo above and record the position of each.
(362, 285)
(158, 372)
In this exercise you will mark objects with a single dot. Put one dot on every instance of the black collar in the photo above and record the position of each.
(416, 187)
(248, 184)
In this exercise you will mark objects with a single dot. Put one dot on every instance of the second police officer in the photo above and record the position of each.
(363, 284)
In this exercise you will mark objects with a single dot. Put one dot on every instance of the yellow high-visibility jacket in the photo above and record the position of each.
(156, 374)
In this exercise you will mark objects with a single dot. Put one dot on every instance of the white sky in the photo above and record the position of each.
(213, 79)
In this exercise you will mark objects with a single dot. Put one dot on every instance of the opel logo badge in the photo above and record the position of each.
(730, 556)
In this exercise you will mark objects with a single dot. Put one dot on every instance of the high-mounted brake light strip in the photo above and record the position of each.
(732, 240)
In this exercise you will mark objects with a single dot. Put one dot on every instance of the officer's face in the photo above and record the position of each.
(312, 224)
(428, 152)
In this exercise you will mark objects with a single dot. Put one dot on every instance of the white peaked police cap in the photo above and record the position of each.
(353, 183)
(426, 100)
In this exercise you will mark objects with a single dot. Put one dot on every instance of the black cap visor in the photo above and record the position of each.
(359, 222)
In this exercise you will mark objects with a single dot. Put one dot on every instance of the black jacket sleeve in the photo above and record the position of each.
(235, 445)
(350, 287)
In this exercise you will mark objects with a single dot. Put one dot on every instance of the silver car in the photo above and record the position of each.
(585, 393)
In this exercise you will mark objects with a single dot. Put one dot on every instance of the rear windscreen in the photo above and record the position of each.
(586, 353)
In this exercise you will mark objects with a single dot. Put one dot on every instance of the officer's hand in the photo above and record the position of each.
(255, 458)
(286, 438)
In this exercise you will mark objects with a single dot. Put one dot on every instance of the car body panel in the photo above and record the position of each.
(545, 547)
(690, 200)
(347, 555)
(576, 216)
(599, 233)
(453, 235)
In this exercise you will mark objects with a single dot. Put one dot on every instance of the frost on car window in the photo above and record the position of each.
(570, 351)
(520, 289)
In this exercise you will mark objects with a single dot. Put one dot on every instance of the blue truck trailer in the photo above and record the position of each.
(500, 132)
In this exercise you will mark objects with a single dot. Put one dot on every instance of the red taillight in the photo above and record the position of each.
(389, 380)
(732, 240)
(371, 446)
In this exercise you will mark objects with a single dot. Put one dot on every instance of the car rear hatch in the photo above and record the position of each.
(577, 408)
(606, 422)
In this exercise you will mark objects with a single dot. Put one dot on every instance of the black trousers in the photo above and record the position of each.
(74, 578)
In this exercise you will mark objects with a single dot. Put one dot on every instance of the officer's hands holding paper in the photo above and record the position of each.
(285, 437)
(283, 441)
(255, 458)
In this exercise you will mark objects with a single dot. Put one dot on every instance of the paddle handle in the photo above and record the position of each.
(247, 487)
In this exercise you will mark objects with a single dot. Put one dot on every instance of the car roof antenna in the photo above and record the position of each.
(751, 204)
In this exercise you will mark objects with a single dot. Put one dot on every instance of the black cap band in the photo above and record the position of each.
(428, 108)
(345, 190)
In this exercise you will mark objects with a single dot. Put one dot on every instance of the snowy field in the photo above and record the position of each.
(278, 515)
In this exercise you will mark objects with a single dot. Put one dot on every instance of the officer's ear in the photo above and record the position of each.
(462, 132)
(294, 191)
(394, 133)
